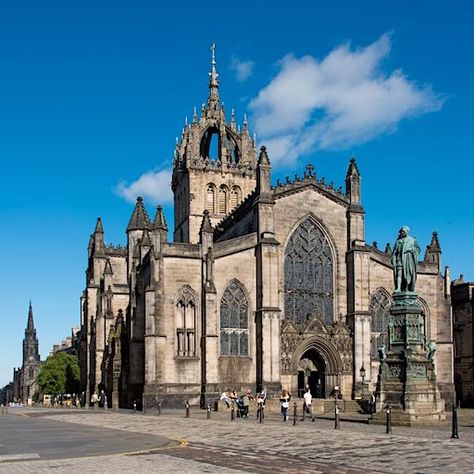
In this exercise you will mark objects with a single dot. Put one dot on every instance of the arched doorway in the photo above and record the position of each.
(312, 374)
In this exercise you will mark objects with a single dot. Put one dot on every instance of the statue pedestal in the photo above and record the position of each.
(407, 379)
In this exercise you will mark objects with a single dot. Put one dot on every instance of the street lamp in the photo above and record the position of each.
(362, 376)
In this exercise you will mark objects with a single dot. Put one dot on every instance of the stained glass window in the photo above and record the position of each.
(309, 275)
(380, 310)
(234, 321)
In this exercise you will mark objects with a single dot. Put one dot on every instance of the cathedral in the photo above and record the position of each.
(263, 284)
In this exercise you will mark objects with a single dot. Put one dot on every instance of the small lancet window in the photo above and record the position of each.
(235, 197)
(222, 199)
(210, 198)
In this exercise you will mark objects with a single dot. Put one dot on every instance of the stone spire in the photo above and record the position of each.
(97, 238)
(213, 101)
(263, 172)
(160, 222)
(30, 327)
(139, 219)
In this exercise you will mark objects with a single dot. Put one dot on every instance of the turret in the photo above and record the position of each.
(159, 232)
(98, 245)
(356, 213)
(139, 221)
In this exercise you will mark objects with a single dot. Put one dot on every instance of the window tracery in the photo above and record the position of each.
(380, 311)
(186, 323)
(309, 275)
(234, 321)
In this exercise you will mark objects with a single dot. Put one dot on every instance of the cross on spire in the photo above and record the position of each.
(213, 101)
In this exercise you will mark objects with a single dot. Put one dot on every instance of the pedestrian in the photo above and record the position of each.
(261, 397)
(285, 398)
(225, 399)
(246, 403)
(307, 407)
(94, 399)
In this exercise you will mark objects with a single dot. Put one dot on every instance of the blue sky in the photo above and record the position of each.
(93, 94)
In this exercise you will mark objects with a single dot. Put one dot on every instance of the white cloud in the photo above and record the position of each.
(337, 102)
(242, 69)
(153, 186)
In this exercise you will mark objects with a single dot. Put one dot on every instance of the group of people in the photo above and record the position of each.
(242, 402)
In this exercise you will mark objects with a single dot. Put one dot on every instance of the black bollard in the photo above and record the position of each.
(454, 433)
(208, 408)
(134, 406)
(295, 413)
(159, 409)
(187, 408)
(389, 419)
(260, 413)
(232, 411)
(336, 416)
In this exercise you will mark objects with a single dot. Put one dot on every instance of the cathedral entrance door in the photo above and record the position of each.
(311, 374)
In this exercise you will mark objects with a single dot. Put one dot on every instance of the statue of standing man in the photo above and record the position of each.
(405, 260)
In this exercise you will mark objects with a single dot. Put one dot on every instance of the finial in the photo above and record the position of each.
(186, 121)
(194, 114)
(213, 54)
(245, 119)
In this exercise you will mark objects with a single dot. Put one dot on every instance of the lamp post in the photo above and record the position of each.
(362, 376)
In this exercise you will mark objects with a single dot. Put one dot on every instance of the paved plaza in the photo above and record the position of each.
(108, 441)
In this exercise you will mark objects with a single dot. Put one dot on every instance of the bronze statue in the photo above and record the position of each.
(404, 261)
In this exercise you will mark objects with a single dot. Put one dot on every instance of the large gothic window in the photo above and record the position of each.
(234, 321)
(380, 311)
(186, 322)
(309, 275)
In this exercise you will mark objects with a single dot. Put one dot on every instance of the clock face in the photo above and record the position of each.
(31, 358)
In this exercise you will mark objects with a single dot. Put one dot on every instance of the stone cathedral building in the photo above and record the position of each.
(262, 285)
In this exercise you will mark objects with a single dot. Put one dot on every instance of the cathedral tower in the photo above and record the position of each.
(214, 165)
(31, 358)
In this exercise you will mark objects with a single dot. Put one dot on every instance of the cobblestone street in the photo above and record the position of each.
(221, 445)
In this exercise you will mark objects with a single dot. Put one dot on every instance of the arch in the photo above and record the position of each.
(426, 316)
(186, 321)
(208, 143)
(379, 307)
(234, 320)
(222, 199)
(327, 351)
(211, 198)
(309, 274)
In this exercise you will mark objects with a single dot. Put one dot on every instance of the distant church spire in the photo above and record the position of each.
(30, 327)
(213, 101)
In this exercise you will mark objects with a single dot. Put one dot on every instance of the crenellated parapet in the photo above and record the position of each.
(310, 178)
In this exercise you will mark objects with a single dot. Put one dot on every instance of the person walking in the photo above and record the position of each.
(261, 397)
(246, 403)
(307, 404)
(285, 398)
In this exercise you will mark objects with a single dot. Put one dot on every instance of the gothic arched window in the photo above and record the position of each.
(309, 275)
(235, 197)
(222, 199)
(234, 321)
(186, 322)
(380, 311)
(210, 198)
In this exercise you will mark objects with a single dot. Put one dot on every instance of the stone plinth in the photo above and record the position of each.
(407, 379)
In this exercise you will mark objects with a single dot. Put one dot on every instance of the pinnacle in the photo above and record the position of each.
(145, 242)
(206, 225)
(263, 157)
(139, 219)
(353, 170)
(108, 268)
(99, 228)
(160, 222)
